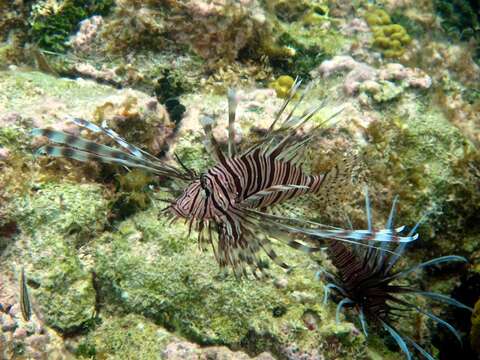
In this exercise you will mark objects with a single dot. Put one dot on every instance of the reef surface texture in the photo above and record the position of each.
(110, 277)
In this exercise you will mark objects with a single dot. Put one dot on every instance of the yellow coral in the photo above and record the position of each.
(378, 17)
(390, 38)
(282, 85)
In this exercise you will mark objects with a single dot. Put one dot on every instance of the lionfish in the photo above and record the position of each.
(365, 280)
(228, 204)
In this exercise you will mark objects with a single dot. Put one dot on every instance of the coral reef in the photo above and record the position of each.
(113, 277)
(383, 84)
(52, 21)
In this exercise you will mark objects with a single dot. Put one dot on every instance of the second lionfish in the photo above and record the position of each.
(228, 204)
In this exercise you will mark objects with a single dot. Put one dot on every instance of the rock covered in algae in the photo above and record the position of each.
(19, 338)
(475, 332)
(51, 102)
(171, 286)
(54, 222)
(111, 341)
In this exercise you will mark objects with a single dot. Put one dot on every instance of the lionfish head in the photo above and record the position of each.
(192, 198)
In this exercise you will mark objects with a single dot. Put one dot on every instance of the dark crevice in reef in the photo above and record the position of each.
(468, 292)
(167, 92)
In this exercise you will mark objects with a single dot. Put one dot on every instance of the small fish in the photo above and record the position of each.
(25, 304)
(42, 62)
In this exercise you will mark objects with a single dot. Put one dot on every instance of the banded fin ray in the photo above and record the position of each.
(84, 150)
(134, 150)
(84, 156)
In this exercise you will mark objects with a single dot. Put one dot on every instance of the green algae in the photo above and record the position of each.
(420, 156)
(55, 222)
(179, 287)
(282, 85)
(124, 338)
(52, 24)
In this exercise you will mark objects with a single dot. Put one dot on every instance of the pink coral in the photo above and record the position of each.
(82, 41)
(219, 29)
(360, 73)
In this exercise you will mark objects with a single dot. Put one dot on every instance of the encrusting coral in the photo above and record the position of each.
(282, 85)
(390, 38)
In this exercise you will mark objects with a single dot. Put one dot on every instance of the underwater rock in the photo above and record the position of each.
(138, 119)
(90, 72)
(82, 41)
(359, 73)
(55, 222)
(221, 29)
(4, 153)
(50, 102)
(125, 337)
(356, 25)
(475, 331)
(207, 307)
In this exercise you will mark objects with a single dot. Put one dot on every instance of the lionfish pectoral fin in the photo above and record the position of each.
(436, 261)
(420, 349)
(81, 149)
(340, 305)
(132, 149)
(441, 322)
(326, 291)
(363, 321)
(444, 298)
(398, 339)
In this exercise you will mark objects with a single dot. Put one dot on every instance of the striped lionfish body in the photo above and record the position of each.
(366, 280)
(227, 204)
